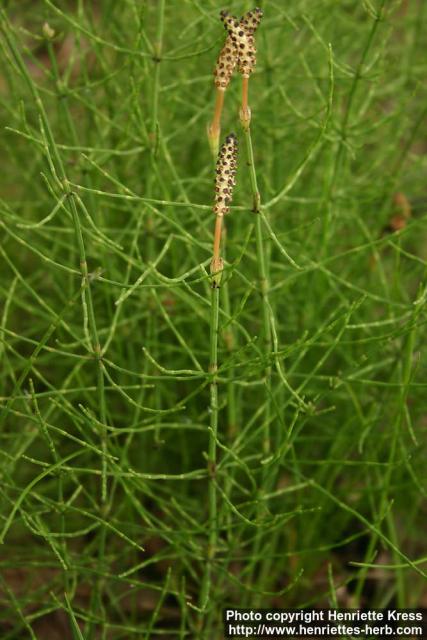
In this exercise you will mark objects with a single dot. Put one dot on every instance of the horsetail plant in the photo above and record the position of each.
(225, 180)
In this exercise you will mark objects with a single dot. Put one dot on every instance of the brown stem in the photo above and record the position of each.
(219, 103)
(214, 128)
(217, 237)
(217, 262)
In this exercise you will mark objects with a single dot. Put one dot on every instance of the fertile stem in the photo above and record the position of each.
(214, 129)
(216, 259)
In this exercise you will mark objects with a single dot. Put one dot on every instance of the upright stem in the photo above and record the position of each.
(224, 183)
(263, 279)
(157, 58)
(229, 338)
(262, 263)
(60, 177)
(154, 135)
(217, 241)
(214, 129)
(61, 181)
(212, 496)
(245, 107)
(213, 368)
(342, 147)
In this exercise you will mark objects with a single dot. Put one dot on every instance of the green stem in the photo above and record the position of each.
(152, 172)
(263, 279)
(341, 152)
(61, 181)
(229, 338)
(405, 373)
(212, 496)
(267, 337)
(87, 294)
(157, 53)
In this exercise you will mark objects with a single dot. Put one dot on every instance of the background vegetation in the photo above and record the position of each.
(106, 232)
